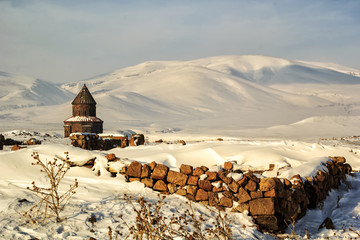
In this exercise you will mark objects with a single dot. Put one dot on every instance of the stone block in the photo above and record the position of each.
(177, 178)
(228, 165)
(251, 186)
(205, 184)
(234, 186)
(242, 207)
(148, 182)
(186, 169)
(193, 180)
(191, 189)
(262, 206)
(152, 165)
(145, 171)
(202, 195)
(160, 172)
(267, 184)
(212, 176)
(134, 169)
(181, 192)
(198, 171)
(226, 202)
(243, 195)
(256, 194)
(160, 186)
(110, 157)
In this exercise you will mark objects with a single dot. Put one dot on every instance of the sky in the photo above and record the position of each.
(65, 41)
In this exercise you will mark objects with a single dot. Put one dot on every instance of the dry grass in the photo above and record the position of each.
(51, 201)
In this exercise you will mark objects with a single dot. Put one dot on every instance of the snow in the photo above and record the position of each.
(288, 113)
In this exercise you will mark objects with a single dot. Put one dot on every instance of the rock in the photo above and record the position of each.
(338, 159)
(186, 169)
(327, 223)
(251, 186)
(198, 171)
(212, 176)
(262, 206)
(152, 165)
(202, 195)
(242, 207)
(177, 178)
(213, 199)
(191, 189)
(110, 157)
(267, 184)
(160, 172)
(193, 180)
(160, 186)
(148, 182)
(228, 165)
(190, 197)
(222, 176)
(16, 147)
(243, 195)
(226, 202)
(256, 194)
(242, 182)
(146, 171)
(205, 184)
(234, 186)
(271, 193)
(134, 179)
(172, 188)
(181, 192)
(134, 169)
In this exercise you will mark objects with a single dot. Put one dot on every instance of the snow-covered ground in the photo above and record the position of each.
(293, 114)
(103, 196)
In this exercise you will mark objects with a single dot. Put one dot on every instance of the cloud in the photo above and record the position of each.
(71, 40)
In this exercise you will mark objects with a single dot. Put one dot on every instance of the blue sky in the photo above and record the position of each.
(70, 40)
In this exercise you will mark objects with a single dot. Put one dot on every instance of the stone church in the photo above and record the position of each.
(83, 115)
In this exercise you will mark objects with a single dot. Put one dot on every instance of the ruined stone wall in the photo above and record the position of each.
(271, 201)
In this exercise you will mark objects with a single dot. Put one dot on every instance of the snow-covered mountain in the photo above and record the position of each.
(217, 94)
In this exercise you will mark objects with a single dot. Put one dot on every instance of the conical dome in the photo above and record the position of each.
(84, 97)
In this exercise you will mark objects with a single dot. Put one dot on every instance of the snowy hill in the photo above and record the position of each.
(17, 91)
(225, 94)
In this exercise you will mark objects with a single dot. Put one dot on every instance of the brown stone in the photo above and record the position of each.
(186, 169)
(287, 183)
(262, 206)
(146, 171)
(242, 207)
(202, 195)
(148, 182)
(220, 189)
(152, 165)
(16, 147)
(191, 189)
(234, 186)
(177, 178)
(172, 188)
(267, 184)
(204, 202)
(190, 197)
(257, 194)
(110, 157)
(134, 179)
(251, 186)
(270, 194)
(134, 169)
(226, 202)
(160, 172)
(205, 184)
(222, 176)
(243, 195)
(213, 199)
(228, 165)
(198, 171)
(193, 180)
(204, 168)
(212, 176)
(242, 182)
(181, 192)
(160, 186)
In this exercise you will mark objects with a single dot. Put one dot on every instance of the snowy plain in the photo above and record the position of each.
(293, 114)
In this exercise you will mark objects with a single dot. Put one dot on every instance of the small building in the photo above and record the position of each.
(83, 115)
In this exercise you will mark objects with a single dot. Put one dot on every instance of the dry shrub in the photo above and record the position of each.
(51, 201)
(151, 224)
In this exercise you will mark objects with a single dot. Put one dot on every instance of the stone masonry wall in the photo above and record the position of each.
(271, 201)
